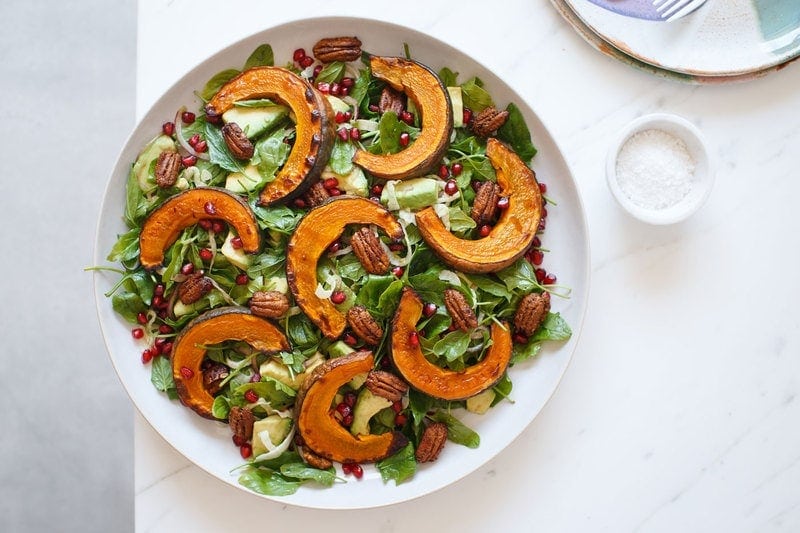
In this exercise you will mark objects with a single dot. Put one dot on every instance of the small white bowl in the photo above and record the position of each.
(701, 181)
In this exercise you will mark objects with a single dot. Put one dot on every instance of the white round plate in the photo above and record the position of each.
(207, 443)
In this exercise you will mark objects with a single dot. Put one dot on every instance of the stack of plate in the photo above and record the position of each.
(724, 40)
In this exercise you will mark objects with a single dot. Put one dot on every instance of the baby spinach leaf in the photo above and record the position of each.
(519, 277)
(216, 82)
(302, 471)
(448, 77)
(457, 431)
(399, 467)
(523, 352)
(460, 222)
(218, 150)
(452, 346)
(332, 72)
(161, 374)
(261, 57)
(516, 133)
(135, 203)
(267, 482)
(475, 96)
(128, 305)
(279, 218)
(553, 328)
(390, 128)
(221, 407)
(272, 154)
(126, 247)
(302, 333)
(490, 286)
(341, 160)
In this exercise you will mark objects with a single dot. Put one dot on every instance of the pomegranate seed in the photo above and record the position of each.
(502, 203)
(137, 333)
(347, 468)
(358, 472)
(400, 420)
(217, 226)
(158, 301)
(475, 185)
(238, 440)
(344, 409)
(335, 192)
(413, 339)
(338, 297)
(209, 208)
(347, 421)
(168, 128)
(348, 116)
(407, 117)
(347, 82)
(343, 134)
(161, 313)
(350, 339)
(206, 254)
(255, 378)
(187, 269)
(299, 202)
(206, 224)
(334, 247)
(397, 246)
(537, 242)
(350, 398)
(429, 309)
(520, 338)
(444, 172)
(540, 274)
(336, 89)
(375, 199)
(187, 372)
(237, 243)
(543, 188)
(164, 329)
(141, 318)
(251, 396)
(377, 189)
(344, 91)
(549, 279)
(147, 356)
(299, 54)
(398, 271)
(201, 146)
(405, 138)
(159, 289)
(189, 161)
(484, 230)
(246, 450)
(374, 108)
(466, 115)
(537, 257)
(317, 70)
(187, 117)
(451, 187)
(339, 117)
(194, 139)
(397, 407)
(355, 134)
(242, 279)
(330, 183)
(324, 87)
(542, 224)
(167, 348)
(546, 296)
(306, 62)
(456, 169)
(544, 212)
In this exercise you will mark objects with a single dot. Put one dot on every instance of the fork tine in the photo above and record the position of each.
(680, 4)
(666, 4)
(691, 6)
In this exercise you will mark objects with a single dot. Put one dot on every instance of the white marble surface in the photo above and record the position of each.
(679, 410)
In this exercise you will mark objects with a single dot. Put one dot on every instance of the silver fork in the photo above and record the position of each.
(674, 9)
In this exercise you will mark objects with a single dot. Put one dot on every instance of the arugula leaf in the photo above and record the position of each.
(452, 346)
(489, 286)
(516, 133)
(553, 328)
(127, 246)
(267, 482)
(475, 96)
(519, 277)
(161, 374)
(341, 160)
(448, 77)
(278, 218)
(502, 389)
(457, 431)
(302, 333)
(218, 150)
(216, 82)
(302, 471)
(272, 154)
(261, 57)
(332, 72)
(399, 467)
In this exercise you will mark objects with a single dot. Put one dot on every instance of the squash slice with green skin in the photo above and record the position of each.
(514, 231)
(320, 228)
(213, 327)
(432, 101)
(162, 226)
(320, 430)
(439, 382)
(314, 123)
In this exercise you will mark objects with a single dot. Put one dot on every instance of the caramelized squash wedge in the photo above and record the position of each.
(512, 234)
(189, 207)
(321, 432)
(314, 122)
(320, 228)
(432, 101)
(213, 327)
(439, 382)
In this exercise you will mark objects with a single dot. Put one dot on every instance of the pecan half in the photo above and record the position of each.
(432, 442)
(386, 385)
(313, 459)
(363, 325)
(316, 195)
(241, 421)
(484, 208)
(488, 121)
(391, 100)
(168, 166)
(462, 314)
(213, 376)
(194, 287)
(238, 143)
(531, 311)
(369, 251)
(333, 49)
(269, 304)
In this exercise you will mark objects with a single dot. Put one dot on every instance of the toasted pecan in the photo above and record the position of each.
(459, 310)
(369, 251)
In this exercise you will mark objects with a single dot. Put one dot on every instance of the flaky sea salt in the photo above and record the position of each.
(655, 169)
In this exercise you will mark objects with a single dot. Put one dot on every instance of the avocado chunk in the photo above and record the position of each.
(338, 105)
(480, 403)
(255, 120)
(415, 193)
(236, 256)
(280, 372)
(148, 155)
(367, 406)
(457, 103)
(354, 183)
(275, 428)
(339, 349)
(245, 181)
